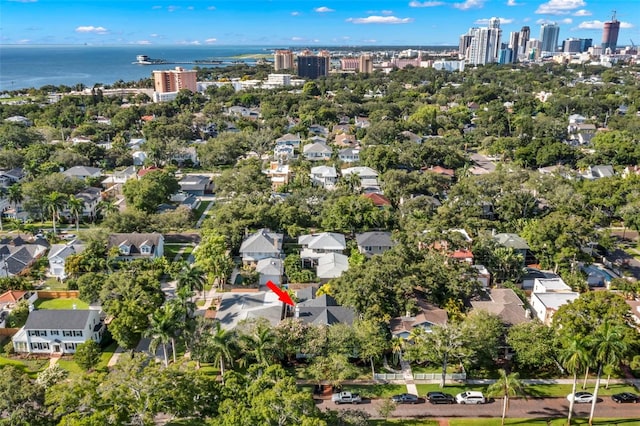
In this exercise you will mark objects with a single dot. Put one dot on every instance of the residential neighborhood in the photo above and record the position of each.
(454, 232)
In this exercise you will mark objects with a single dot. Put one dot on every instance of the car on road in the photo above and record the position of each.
(440, 398)
(346, 398)
(470, 397)
(625, 397)
(580, 397)
(405, 398)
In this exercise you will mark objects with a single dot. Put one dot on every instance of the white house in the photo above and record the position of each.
(91, 197)
(270, 269)
(374, 242)
(550, 285)
(317, 151)
(545, 305)
(52, 331)
(315, 246)
(58, 254)
(349, 155)
(83, 172)
(263, 244)
(137, 245)
(325, 176)
(331, 265)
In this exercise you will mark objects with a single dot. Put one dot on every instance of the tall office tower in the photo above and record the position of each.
(282, 60)
(549, 37)
(366, 64)
(465, 43)
(327, 63)
(311, 66)
(534, 49)
(495, 36)
(610, 34)
(514, 45)
(525, 35)
(166, 81)
(586, 44)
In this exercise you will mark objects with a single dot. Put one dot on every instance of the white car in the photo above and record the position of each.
(580, 397)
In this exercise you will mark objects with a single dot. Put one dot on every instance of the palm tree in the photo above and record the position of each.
(506, 386)
(14, 195)
(191, 278)
(397, 343)
(52, 204)
(107, 208)
(607, 347)
(76, 207)
(264, 343)
(183, 302)
(574, 358)
(220, 345)
(161, 330)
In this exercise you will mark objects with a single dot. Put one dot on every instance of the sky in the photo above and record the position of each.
(300, 23)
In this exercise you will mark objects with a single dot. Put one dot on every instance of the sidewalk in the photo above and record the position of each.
(408, 377)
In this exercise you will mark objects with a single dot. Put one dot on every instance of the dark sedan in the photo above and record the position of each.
(405, 398)
(440, 398)
(625, 397)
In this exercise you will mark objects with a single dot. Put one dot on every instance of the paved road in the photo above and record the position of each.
(530, 408)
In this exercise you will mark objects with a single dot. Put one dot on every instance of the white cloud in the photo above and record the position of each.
(543, 21)
(469, 4)
(387, 12)
(582, 12)
(371, 40)
(485, 21)
(598, 25)
(323, 9)
(380, 20)
(154, 35)
(567, 21)
(211, 8)
(189, 42)
(91, 29)
(425, 3)
(559, 7)
(24, 40)
(142, 42)
(297, 39)
(172, 8)
(211, 40)
(513, 3)
(295, 13)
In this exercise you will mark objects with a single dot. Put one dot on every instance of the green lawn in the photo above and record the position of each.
(171, 250)
(105, 356)
(60, 304)
(403, 422)
(71, 366)
(54, 284)
(30, 366)
(203, 206)
(541, 421)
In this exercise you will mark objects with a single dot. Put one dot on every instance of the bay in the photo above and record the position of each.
(24, 67)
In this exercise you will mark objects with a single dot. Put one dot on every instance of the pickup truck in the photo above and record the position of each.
(346, 398)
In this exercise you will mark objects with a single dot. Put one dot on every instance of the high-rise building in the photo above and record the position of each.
(484, 46)
(366, 64)
(465, 43)
(549, 37)
(576, 45)
(167, 81)
(283, 60)
(312, 66)
(514, 45)
(525, 35)
(610, 34)
(327, 63)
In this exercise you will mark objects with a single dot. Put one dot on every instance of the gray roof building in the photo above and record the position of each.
(323, 310)
(57, 319)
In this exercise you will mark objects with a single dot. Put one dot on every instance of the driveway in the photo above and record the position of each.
(530, 408)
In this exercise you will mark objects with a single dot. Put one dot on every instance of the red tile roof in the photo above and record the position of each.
(12, 296)
(378, 199)
(144, 171)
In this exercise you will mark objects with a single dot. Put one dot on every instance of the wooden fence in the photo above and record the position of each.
(61, 294)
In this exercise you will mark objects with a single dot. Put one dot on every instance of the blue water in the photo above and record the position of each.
(36, 66)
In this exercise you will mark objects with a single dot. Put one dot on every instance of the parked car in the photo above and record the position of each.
(625, 397)
(405, 398)
(440, 398)
(470, 397)
(580, 397)
(346, 398)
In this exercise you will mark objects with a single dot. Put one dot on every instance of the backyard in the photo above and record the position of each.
(70, 303)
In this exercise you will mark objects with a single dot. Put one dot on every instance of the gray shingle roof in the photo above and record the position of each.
(375, 238)
(135, 240)
(263, 241)
(57, 319)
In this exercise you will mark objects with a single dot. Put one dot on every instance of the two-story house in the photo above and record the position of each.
(314, 246)
(548, 295)
(263, 244)
(137, 245)
(58, 254)
(83, 172)
(317, 151)
(325, 176)
(50, 331)
(375, 242)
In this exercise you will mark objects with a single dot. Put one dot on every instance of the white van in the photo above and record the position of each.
(470, 397)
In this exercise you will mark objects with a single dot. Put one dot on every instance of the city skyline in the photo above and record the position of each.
(300, 23)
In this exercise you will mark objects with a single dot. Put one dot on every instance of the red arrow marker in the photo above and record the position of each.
(282, 295)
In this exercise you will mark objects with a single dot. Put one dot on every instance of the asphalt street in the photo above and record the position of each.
(519, 408)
